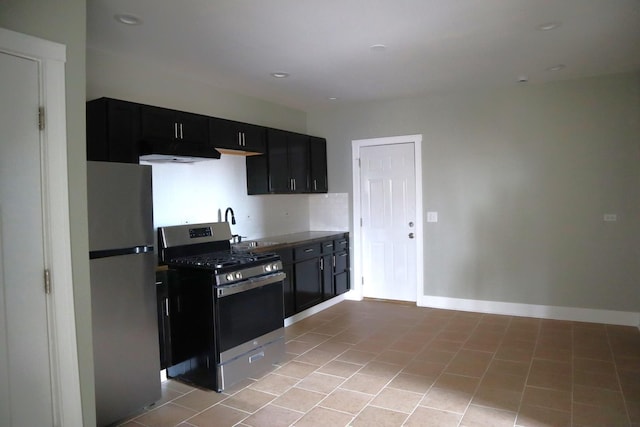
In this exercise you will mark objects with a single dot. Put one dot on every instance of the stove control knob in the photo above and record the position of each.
(267, 267)
(238, 275)
(230, 277)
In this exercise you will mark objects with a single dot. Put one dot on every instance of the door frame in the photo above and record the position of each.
(51, 58)
(356, 145)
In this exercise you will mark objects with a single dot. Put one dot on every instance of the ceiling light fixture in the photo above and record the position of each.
(127, 19)
(557, 67)
(280, 75)
(333, 98)
(378, 47)
(548, 26)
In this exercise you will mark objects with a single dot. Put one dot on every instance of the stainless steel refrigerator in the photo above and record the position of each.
(123, 293)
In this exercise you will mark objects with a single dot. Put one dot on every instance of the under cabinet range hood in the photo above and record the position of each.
(176, 152)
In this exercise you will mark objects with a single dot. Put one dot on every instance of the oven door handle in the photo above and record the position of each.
(225, 291)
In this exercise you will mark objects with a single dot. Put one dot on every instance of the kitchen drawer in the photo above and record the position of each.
(341, 261)
(328, 247)
(307, 251)
(341, 244)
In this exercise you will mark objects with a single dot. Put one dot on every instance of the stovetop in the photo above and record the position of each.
(223, 261)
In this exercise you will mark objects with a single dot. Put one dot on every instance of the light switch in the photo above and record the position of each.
(432, 216)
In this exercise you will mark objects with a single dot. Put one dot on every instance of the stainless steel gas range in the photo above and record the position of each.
(225, 306)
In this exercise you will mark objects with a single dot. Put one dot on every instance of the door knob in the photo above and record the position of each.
(411, 235)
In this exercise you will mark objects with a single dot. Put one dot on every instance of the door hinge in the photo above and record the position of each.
(359, 163)
(41, 118)
(362, 280)
(360, 222)
(47, 281)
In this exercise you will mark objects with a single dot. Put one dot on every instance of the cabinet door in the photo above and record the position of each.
(223, 134)
(327, 276)
(341, 282)
(289, 291)
(318, 165)
(298, 150)
(253, 137)
(308, 287)
(257, 174)
(279, 178)
(192, 129)
(113, 131)
(158, 124)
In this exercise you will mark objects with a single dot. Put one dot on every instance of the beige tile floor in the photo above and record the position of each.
(375, 363)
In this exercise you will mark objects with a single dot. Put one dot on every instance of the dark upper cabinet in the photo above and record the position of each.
(318, 165)
(233, 137)
(285, 167)
(171, 132)
(113, 130)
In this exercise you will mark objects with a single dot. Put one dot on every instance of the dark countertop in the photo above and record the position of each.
(288, 240)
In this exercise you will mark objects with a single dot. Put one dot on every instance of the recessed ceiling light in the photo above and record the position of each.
(279, 75)
(127, 19)
(333, 98)
(547, 26)
(378, 47)
(523, 79)
(557, 67)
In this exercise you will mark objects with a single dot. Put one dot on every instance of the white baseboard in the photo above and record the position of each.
(313, 310)
(611, 317)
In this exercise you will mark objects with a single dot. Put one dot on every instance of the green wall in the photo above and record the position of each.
(521, 178)
(64, 21)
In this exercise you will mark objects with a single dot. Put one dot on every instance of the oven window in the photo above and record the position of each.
(247, 315)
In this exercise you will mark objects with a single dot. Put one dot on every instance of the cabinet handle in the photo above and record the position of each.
(175, 130)
(166, 306)
(181, 134)
(334, 261)
(321, 263)
(315, 184)
(294, 184)
(308, 250)
(240, 139)
(244, 139)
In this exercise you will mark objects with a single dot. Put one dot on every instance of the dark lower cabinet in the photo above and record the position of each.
(315, 272)
(164, 328)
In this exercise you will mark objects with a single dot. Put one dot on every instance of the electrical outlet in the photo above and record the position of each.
(610, 217)
(432, 216)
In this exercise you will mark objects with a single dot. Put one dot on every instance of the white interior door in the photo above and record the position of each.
(25, 373)
(388, 231)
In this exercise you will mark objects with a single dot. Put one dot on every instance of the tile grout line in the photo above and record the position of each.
(615, 366)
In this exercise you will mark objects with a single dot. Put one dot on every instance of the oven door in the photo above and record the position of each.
(248, 310)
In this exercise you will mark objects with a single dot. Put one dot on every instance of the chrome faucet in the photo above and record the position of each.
(226, 216)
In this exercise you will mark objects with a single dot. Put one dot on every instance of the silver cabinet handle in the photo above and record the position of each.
(411, 235)
(166, 306)
(315, 184)
(181, 134)
(175, 130)
(334, 261)
(244, 139)
(321, 263)
(294, 184)
(256, 357)
(308, 250)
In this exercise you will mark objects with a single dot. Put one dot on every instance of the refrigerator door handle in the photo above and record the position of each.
(122, 251)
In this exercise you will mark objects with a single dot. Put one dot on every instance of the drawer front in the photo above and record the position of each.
(342, 262)
(341, 244)
(307, 251)
(328, 247)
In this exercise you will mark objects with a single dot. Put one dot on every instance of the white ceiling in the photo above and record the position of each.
(432, 45)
